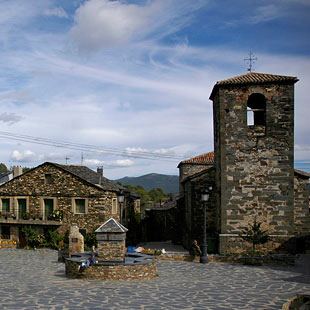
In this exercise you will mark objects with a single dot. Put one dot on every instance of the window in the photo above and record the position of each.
(5, 202)
(48, 208)
(48, 178)
(256, 110)
(5, 232)
(114, 205)
(80, 205)
(22, 207)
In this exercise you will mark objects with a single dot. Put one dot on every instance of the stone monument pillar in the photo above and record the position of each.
(111, 238)
(76, 241)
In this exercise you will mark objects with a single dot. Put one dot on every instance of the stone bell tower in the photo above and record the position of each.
(254, 153)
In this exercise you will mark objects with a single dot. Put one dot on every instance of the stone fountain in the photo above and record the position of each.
(112, 261)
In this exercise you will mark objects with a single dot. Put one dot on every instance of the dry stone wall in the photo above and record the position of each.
(302, 208)
(111, 250)
(194, 208)
(111, 273)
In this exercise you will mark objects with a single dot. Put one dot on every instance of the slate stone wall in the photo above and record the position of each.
(254, 164)
(301, 208)
(111, 250)
(64, 187)
(186, 170)
(112, 273)
(194, 208)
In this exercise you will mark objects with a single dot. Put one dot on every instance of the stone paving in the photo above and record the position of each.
(34, 280)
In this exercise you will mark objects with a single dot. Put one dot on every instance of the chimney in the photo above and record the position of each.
(17, 170)
(100, 173)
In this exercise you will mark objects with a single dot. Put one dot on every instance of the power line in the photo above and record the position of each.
(90, 148)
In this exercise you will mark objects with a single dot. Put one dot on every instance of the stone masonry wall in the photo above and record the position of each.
(301, 209)
(112, 273)
(186, 170)
(111, 250)
(255, 172)
(194, 208)
(31, 185)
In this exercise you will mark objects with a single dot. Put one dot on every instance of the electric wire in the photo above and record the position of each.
(90, 148)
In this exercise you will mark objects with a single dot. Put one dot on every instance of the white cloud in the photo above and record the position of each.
(58, 12)
(105, 23)
(137, 151)
(28, 156)
(24, 156)
(120, 163)
(10, 118)
(266, 13)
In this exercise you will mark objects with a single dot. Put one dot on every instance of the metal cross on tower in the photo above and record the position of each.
(250, 61)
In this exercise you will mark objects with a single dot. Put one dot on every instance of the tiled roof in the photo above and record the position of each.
(89, 176)
(302, 173)
(254, 78)
(206, 158)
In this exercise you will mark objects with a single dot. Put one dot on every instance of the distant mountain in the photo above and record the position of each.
(168, 183)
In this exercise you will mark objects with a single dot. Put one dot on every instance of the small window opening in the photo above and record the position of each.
(48, 179)
(114, 205)
(256, 110)
(80, 206)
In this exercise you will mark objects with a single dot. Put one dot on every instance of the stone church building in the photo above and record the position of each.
(251, 169)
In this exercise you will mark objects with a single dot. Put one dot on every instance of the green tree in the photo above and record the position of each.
(254, 235)
(25, 169)
(3, 168)
(157, 195)
(140, 190)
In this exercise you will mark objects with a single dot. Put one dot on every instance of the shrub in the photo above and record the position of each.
(33, 238)
(90, 241)
(254, 234)
(53, 239)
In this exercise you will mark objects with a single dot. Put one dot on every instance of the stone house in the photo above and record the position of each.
(54, 196)
(252, 173)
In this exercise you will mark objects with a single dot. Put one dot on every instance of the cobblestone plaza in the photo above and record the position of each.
(35, 280)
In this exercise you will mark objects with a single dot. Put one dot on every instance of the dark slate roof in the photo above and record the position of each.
(112, 226)
(302, 173)
(89, 175)
(254, 78)
(4, 174)
(203, 159)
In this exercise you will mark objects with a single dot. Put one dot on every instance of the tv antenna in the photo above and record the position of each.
(82, 158)
(251, 59)
(67, 158)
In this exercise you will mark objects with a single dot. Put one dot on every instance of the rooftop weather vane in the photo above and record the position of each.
(250, 61)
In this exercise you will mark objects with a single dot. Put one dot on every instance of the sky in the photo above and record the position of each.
(126, 84)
